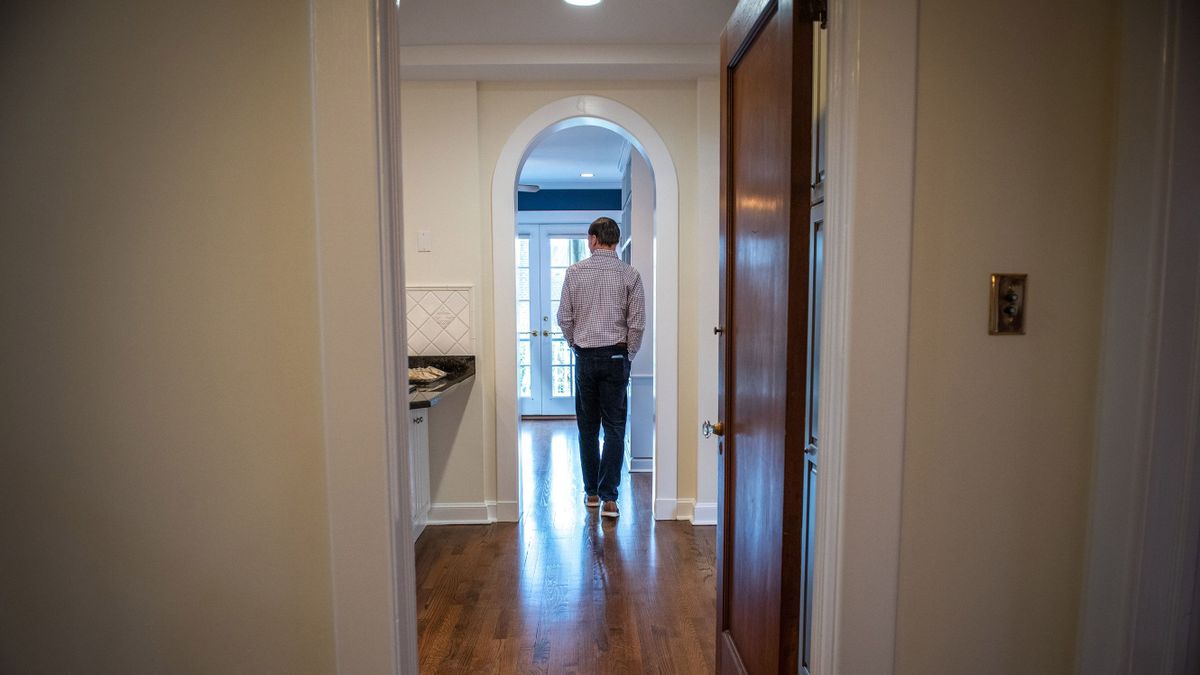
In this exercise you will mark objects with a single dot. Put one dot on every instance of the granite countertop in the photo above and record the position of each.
(460, 371)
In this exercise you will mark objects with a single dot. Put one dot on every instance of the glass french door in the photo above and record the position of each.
(545, 362)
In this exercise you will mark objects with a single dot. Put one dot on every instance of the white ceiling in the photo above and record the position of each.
(557, 161)
(537, 22)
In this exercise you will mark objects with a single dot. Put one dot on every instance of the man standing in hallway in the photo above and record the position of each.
(602, 314)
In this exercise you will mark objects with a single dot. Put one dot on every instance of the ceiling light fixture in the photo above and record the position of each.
(586, 175)
(582, 3)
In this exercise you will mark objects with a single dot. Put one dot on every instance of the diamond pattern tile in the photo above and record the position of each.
(439, 320)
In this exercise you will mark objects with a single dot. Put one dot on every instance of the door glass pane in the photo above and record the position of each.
(523, 317)
(523, 283)
(579, 250)
(554, 316)
(564, 382)
(566, 252)
(523, 353)
(818, 290)
(523, 252)
(560, 253)
(524, 382)
(562, 355)
(557, 275)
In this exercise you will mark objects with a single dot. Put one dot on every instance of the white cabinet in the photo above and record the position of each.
(418, 448)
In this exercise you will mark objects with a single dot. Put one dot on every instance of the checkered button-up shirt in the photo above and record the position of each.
(602, 303)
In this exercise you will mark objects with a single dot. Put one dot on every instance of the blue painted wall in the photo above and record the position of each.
(569, 200)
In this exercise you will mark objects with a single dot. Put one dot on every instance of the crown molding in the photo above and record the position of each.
(559, 62)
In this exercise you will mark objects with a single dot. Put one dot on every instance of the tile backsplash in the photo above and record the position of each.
(439, 320)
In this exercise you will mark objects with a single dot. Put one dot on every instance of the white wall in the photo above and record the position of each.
(162, 501)
(440, 122)
(1014, 128)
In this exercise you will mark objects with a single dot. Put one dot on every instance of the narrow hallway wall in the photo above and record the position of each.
(1014, 134)
(162, 498)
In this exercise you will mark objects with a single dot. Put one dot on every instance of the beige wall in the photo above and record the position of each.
(438, 132)
(439, 122)
(162, 500)
(1014, 118)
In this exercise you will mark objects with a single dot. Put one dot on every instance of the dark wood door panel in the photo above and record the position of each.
(728, 661)
(766, 147)
(760, 227)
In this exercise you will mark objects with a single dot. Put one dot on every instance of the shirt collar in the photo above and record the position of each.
(604, 251)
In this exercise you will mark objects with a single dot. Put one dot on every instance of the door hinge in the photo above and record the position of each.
(819, 11)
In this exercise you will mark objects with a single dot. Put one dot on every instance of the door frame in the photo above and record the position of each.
(1142, 546)
(864, 370)
(359, 259)
(554, 116)
(356, 139)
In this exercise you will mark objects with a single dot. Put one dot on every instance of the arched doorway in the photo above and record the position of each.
(561, 114)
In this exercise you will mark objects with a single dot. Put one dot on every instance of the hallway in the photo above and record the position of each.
(565, 591)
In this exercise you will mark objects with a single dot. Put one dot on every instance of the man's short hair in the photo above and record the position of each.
(606, 231)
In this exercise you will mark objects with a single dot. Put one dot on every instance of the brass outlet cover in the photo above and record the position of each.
(1006, 313)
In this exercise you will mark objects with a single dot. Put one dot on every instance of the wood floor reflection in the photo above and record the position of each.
(565, 591)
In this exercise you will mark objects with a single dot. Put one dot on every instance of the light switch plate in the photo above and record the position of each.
(1006, 313)
(423, 243)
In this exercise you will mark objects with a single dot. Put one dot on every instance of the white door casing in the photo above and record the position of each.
(873, 67)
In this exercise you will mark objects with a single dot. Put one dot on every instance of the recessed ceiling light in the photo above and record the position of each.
(582, 3)
(586, 175)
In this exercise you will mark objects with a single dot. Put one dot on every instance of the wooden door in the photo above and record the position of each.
(766, 151)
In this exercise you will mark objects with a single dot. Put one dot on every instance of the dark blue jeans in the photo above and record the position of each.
(601, 377)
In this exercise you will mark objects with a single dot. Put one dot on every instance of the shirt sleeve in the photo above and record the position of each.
(566, 311)
(636, 318)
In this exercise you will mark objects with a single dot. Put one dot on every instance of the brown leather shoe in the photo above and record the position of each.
(591, 501)
(610, 510)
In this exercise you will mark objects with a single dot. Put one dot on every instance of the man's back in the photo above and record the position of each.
(603, 303)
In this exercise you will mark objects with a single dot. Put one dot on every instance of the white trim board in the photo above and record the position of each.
(697, 513)
(561, 114)
(1145, 507)
(360, 274)
(462, 513)
(558, 62)
(704, 513)
(872, 139)
(641, 465)
(684, 509)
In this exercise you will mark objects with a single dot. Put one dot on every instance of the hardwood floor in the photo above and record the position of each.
(565, 591)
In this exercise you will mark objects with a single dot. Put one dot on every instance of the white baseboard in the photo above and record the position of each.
(460, 513)
(683, 508)
(664, 509)
(504, 512)
(704, 513)
(641, 465)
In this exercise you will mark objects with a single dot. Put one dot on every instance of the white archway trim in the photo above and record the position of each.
(579, 110)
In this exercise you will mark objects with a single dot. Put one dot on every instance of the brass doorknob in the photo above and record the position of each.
(533, 333)
(710, 429)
